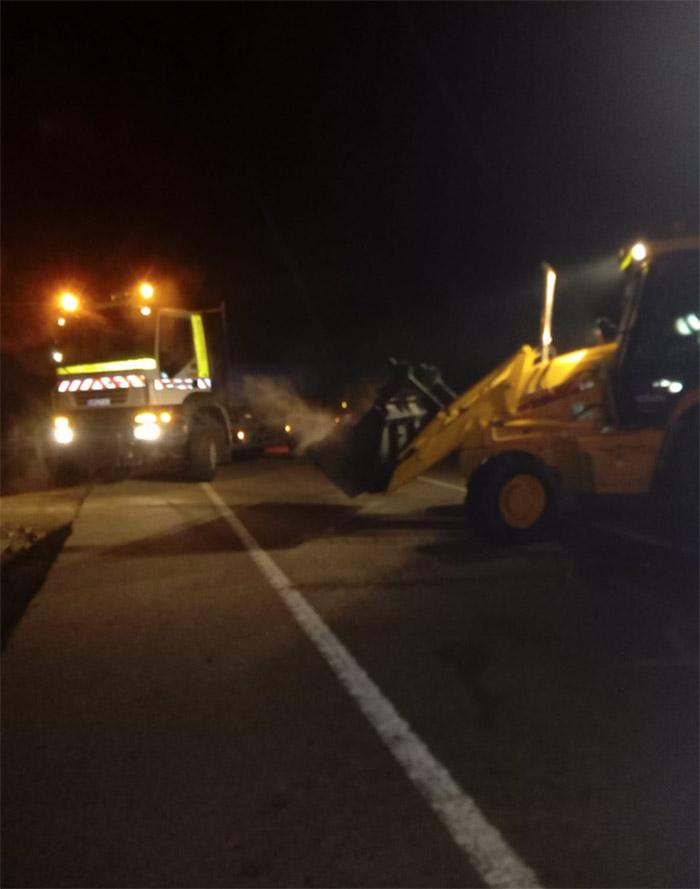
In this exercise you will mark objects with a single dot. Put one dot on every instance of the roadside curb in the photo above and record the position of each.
(20, 542)
(23, 574)
(26, 561)
(31, 542)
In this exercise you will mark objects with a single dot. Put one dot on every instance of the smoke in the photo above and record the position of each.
(276, 402)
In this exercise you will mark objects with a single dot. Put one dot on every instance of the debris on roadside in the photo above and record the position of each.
(14, 540)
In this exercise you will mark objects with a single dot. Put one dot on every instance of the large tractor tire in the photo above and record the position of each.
(205, 450)
(513, 498)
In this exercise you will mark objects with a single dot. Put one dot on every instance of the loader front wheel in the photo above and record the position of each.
(514, 498)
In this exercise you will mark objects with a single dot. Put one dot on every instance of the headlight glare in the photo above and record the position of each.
(147, 432)
(62, 432)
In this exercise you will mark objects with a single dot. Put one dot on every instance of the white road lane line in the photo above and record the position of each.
(488, 852)
(434, 481)
(640, 537)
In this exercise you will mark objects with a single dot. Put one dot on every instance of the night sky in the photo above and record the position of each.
(355, 180)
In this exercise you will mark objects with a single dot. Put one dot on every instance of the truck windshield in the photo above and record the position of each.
(113, 333)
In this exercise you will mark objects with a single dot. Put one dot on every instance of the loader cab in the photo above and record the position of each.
(657, 361)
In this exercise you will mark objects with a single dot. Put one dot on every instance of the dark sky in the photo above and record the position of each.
(356, 180)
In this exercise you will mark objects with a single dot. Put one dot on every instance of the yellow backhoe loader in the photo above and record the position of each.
(616, 418)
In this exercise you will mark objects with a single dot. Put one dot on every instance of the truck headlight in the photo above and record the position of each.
(146, 426)
(62, 431)
(147, 432)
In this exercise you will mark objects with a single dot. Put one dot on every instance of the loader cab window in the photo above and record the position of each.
(176, 355)
(660, 358)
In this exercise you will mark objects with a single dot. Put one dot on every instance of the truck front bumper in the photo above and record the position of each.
(108, 439)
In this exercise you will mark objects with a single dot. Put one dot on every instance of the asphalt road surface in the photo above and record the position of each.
(263, 683)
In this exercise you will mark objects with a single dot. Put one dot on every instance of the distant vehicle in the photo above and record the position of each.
(254, 432)
(142, 384)
(617, 418)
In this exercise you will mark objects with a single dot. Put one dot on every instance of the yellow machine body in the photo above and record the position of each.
(560, 409)
(595, 420)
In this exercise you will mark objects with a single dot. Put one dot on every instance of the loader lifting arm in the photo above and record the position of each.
(414, 423)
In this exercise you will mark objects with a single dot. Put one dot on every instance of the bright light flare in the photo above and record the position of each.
(287, 428)
(69, 302)
(639, 252)
(673, 386)
(147, 432)
(240, 435)
(145, 311)
(693, 322)
(61, 322)
(146, 290)
(165, 417)
(62, 432)
(147, 417)
(63, 436)
(57, 357)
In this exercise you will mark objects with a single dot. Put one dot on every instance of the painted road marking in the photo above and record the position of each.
(488, 852)
(641, 537)
(433, 481)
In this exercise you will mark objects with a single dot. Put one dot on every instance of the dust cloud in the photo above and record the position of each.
(275, 401)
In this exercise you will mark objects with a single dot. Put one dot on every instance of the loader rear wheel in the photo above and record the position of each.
(513, 498)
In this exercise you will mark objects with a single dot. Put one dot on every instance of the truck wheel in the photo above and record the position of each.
(513, 498)
(203, 452)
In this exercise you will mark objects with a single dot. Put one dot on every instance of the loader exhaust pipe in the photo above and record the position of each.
(550, 283)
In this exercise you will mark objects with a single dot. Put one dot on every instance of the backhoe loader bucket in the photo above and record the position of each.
(360, 456)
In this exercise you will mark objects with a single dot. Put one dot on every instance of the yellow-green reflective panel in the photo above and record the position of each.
(200, 346)
(108, 366)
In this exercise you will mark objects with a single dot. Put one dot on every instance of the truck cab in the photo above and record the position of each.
(138, 384)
